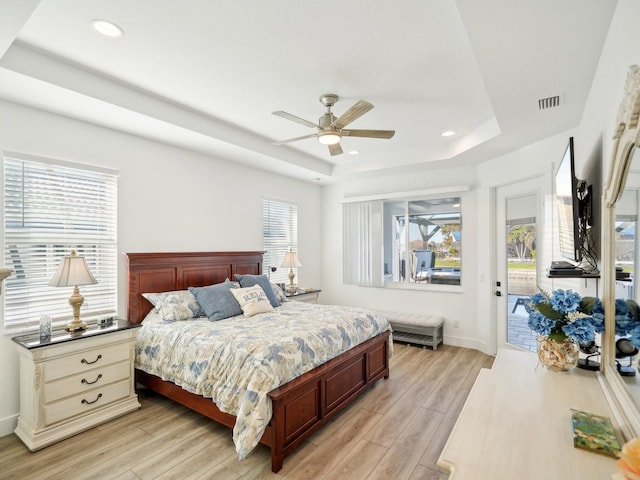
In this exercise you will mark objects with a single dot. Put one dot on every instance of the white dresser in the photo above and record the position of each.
(72, 382)
(516, 424)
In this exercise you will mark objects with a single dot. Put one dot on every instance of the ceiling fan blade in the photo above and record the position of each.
(293, 118)
(356, 111)
(282, 142)
(335, 149)
(369, 133)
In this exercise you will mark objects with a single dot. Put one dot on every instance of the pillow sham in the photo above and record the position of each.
(277, 291)
(217, 301)
(263, 281)
(252, 300)
(176, 305)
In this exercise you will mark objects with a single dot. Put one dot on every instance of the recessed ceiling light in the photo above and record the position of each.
(354, 152)
(448, 133)
(106, 28)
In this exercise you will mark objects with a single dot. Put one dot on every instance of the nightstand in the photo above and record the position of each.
(71, 382)
(304, 296)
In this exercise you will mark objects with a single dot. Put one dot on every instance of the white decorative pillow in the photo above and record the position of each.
(174, 306)
(252, 300)
(279, 293)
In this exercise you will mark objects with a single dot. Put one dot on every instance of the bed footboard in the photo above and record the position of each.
(303, 405)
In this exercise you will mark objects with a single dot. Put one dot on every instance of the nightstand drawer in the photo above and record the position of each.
(84, 381)
(86, 401)
(86, 360)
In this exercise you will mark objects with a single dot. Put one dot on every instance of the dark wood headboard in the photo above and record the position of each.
(165, 272)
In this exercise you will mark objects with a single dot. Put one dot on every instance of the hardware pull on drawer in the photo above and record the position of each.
(84, 380)
(84, 360)
(84, 400)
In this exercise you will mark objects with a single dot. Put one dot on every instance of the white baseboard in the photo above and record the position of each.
(467, 343)
(8, 425)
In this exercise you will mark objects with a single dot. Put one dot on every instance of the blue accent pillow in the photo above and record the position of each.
(217, 301)
(263, 281)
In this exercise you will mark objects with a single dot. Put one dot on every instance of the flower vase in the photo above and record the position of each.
(558, 355)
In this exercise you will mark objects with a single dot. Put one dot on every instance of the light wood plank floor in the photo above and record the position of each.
(394, 431)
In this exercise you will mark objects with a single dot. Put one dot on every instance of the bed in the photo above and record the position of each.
(300, 406)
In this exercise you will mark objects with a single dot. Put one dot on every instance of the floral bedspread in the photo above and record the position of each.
(237, 361)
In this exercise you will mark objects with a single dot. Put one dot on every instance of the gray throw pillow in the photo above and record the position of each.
(263, 281)
(217, 301)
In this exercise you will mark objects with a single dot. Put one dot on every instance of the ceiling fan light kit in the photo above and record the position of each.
(328, 138)
(330, 130)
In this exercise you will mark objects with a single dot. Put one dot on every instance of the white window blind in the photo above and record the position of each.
(51, 208)
(362, 243)
(279, 234)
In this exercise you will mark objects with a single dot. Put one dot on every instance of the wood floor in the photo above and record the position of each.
(395, 431)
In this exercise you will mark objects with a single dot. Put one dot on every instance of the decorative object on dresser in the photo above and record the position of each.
(4, 273)
(291, 261)
(562, 321)
(594, 433)
(71, 382)
(72, 272)
(304, 295)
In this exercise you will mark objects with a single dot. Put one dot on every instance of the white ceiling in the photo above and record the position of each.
(206, 75)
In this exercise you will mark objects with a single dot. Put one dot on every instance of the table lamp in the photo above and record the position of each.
(73, 271)
(291, 261)
(4, 273)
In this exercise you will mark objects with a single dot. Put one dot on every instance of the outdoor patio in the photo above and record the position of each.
(518, 333)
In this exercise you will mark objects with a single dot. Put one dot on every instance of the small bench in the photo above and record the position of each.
(416, 328)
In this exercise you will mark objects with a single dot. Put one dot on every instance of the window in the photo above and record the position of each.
(51, 208)
(422, 242)
(402, 241)
(279, 234)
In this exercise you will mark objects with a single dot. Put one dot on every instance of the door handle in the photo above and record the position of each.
(498, 293)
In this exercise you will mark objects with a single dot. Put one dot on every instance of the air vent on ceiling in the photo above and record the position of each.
(550, 102)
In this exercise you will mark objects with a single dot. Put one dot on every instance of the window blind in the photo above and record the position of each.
(279, 233)
(362, 243)
(50, 209)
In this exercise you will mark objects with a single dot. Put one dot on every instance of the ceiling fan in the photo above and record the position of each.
(330, 130)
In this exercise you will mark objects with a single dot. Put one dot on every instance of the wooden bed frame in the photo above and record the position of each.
(301, 406)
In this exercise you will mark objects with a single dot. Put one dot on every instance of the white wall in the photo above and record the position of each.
(169, 200)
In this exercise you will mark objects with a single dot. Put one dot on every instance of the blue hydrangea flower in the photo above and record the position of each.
(597, 320)
(624, 320)
(565, 301)
(598, 308)
(581, 330)
(537, 298)
(541, 324)
(634, 335)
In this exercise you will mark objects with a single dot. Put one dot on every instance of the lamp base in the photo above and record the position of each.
(75, 326)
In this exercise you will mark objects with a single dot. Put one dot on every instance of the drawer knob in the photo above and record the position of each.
(84, 400)
(84, 360)
(84, 380)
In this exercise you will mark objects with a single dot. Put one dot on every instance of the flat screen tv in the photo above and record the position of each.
(568, 209)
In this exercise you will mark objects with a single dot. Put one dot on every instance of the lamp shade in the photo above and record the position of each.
(291, 260)
(72, 271)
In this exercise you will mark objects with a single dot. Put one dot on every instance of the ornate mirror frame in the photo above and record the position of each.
(626, 138)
